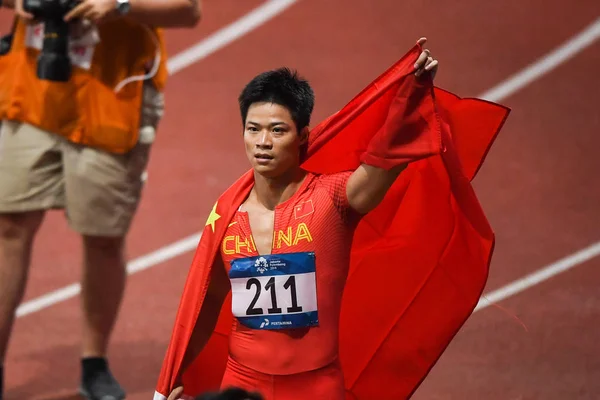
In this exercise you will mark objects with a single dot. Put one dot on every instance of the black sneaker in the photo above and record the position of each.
(98, 383)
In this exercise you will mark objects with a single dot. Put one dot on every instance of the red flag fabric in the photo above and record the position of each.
(419, 261)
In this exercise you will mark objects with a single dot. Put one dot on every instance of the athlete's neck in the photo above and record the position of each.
(271, 192)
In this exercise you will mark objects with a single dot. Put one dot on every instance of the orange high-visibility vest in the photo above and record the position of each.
(85, 110)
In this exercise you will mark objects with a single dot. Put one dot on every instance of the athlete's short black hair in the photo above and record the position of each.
(284, 87)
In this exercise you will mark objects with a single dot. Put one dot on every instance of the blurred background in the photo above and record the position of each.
(539, 185)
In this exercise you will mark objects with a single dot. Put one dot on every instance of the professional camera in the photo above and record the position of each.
(5, 44)
(6, 40)
(53, 63)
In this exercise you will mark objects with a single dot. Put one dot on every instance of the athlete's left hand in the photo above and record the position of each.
(176, 393)
(425, 63)
(93, 10)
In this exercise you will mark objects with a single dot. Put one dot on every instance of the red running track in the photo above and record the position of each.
(538, 187)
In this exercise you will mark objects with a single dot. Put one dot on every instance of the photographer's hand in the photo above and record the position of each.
(93, 10)
(22, 13)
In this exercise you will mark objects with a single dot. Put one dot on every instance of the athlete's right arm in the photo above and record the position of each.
(369, 183)
(217, 291)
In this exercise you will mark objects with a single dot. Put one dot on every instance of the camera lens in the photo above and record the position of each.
(53, 62)
(5, 44)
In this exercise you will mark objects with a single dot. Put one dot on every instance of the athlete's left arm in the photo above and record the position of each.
(159, 13)
(368, 185)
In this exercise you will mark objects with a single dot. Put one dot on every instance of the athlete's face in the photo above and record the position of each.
(272, 140)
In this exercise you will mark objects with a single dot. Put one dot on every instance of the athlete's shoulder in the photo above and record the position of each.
(333, 188)
(333, 181)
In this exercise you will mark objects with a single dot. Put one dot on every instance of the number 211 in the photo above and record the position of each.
(270, 286)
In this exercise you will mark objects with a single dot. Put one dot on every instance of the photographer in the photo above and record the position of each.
(81, 95)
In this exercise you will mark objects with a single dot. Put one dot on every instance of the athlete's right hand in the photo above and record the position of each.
(176, 393)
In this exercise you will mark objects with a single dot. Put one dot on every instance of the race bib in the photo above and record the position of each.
(276, 291)
(81, 50)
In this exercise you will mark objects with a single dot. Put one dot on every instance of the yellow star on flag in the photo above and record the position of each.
(213, 217)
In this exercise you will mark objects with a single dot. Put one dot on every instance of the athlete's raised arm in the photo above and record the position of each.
(368, 185)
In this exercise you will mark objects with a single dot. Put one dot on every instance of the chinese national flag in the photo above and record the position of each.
(419, 261)
(303, 209)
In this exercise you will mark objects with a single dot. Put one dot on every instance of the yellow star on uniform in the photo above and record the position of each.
(213, 217)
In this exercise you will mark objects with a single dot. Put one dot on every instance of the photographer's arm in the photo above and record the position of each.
(17, 6)
(159, 13)
(166, 13)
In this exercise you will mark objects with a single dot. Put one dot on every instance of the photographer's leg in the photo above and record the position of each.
(102, 287)
(102, 197)
(16, 236)
(103, 192)
(17, 232)
(103, 284)
(30, 182)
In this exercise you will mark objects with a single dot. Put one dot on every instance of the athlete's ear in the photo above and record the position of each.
(304, 135)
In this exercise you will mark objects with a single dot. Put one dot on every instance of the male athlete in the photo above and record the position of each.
(286, 252)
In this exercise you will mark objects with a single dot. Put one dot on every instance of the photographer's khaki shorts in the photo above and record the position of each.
(99, 191)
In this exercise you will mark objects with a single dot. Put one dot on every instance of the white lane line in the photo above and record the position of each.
(561, 54)
(545, 64)
(228, 34)
(539, 276)
(139, 264)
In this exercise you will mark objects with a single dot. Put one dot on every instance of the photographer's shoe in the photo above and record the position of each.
(97, 382)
